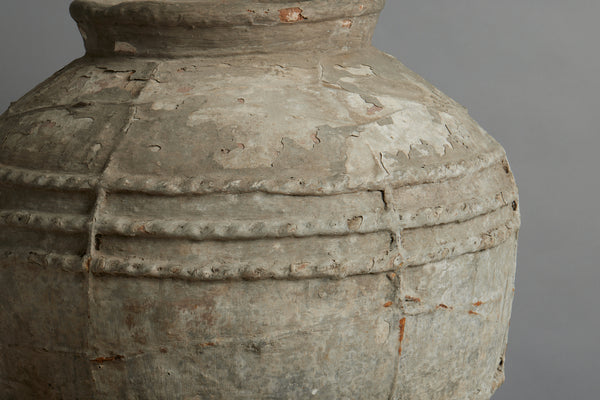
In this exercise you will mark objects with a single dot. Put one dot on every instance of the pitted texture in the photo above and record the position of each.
(281, 226)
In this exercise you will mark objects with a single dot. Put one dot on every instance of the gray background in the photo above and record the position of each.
(528, 70)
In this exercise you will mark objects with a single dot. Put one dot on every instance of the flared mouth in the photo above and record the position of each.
(213, 27)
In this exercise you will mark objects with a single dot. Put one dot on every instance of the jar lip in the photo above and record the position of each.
(207, 13)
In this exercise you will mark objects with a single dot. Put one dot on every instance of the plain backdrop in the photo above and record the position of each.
(529, 72)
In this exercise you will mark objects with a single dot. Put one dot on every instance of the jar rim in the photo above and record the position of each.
(177, 28)
(208, 13)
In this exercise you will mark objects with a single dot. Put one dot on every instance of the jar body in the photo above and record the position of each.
(258, 226)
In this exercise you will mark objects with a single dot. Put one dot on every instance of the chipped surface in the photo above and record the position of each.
(256, 224)
(289, 15)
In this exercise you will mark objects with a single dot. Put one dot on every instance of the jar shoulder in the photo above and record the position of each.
(290, 123)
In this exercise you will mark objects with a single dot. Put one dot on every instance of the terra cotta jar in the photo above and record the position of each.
(246, 200)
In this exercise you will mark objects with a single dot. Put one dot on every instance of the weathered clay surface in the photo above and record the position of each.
(283, 213)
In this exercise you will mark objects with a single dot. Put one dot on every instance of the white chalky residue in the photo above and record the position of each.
(413, 125)
(164, 105)
(363, 70)
(382, 331)
(356, 103)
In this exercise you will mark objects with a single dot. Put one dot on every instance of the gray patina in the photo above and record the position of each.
(248, 201)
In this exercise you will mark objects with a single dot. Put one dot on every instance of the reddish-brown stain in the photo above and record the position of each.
(139, 337)
(374, 110)
(129, 321)
(471, 312)
(289, 15)
(202, 307)
(185, 89)
(139, 306)
(347, 23)
(48, 124)
(301, 267)
(445, 307)
(101, 360)
(388, 304)
(401, 325)
(315, 138)
(163, 350)
(478, 304)
(412, 299)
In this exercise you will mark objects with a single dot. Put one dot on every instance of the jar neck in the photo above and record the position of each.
(180, 28)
